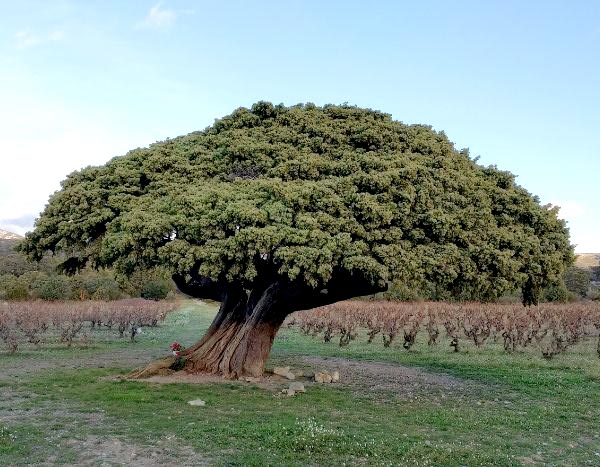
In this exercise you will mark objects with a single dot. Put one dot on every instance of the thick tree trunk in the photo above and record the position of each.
(240, 343)
(239, 340)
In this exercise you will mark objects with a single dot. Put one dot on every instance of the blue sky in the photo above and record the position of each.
(516, 82)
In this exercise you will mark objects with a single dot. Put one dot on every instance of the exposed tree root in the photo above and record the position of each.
(158, 367)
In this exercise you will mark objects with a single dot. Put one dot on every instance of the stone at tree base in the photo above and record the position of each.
(297, 386)
(284, 371)
(251, 379)
(323, 377)
(281, 370)
(335, 376)
(290, 392)
(197, 402)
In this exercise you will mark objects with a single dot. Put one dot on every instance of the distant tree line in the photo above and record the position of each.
(86, 285)
(15, 263)
(576, 284)
(24, 280)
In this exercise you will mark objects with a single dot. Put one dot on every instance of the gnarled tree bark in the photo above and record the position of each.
(239, 339)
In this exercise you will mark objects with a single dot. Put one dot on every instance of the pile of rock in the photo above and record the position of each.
(326, 377)
(284, 371)
(298, 387)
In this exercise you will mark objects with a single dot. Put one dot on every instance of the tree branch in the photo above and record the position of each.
(342, 286)
(199, 286)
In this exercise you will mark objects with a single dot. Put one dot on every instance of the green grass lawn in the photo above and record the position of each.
(427, 406)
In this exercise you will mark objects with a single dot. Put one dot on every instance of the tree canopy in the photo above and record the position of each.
(306, 193)
(275, 209)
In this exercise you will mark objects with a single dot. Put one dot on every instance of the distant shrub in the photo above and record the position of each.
(557, 293)
(106, 289)
(15, 262)
(54, 287)
(153, 284)
(31, 280)
(578, 280)
(155, 289)
(11, 288)
(400, 292)
(96, 285)
(89, 284)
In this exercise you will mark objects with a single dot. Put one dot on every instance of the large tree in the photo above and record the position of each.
(275, 209)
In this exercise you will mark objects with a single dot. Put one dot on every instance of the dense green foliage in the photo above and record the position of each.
(153, 283)
(21, 279)
(155, 289)
(85, 285)
(96, 285)
(595, 272)
(11, 288)
(13, 262)
(558, 293)
(578, 280)
(54, 287)
(306, 194)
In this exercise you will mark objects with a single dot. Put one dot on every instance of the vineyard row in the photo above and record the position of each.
(36, 321)
(552, 328)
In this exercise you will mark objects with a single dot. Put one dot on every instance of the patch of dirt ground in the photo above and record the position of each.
(268, 381)
(362, 377)
(66, 429)
(96, 450)
(117, 358)
(381, 375)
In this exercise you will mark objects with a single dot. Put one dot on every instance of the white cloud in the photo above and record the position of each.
(158, 18)
(18, 225)
(43, 142)
(585, 241)
(56, 36)
(569, 209)
(25, 38)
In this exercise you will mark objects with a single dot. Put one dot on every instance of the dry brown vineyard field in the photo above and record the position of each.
(42, 322)
(551, 328)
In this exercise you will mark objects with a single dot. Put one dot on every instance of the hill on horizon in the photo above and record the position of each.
(8, 242)
(6, 235)
(13, 262)
(587, 260)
